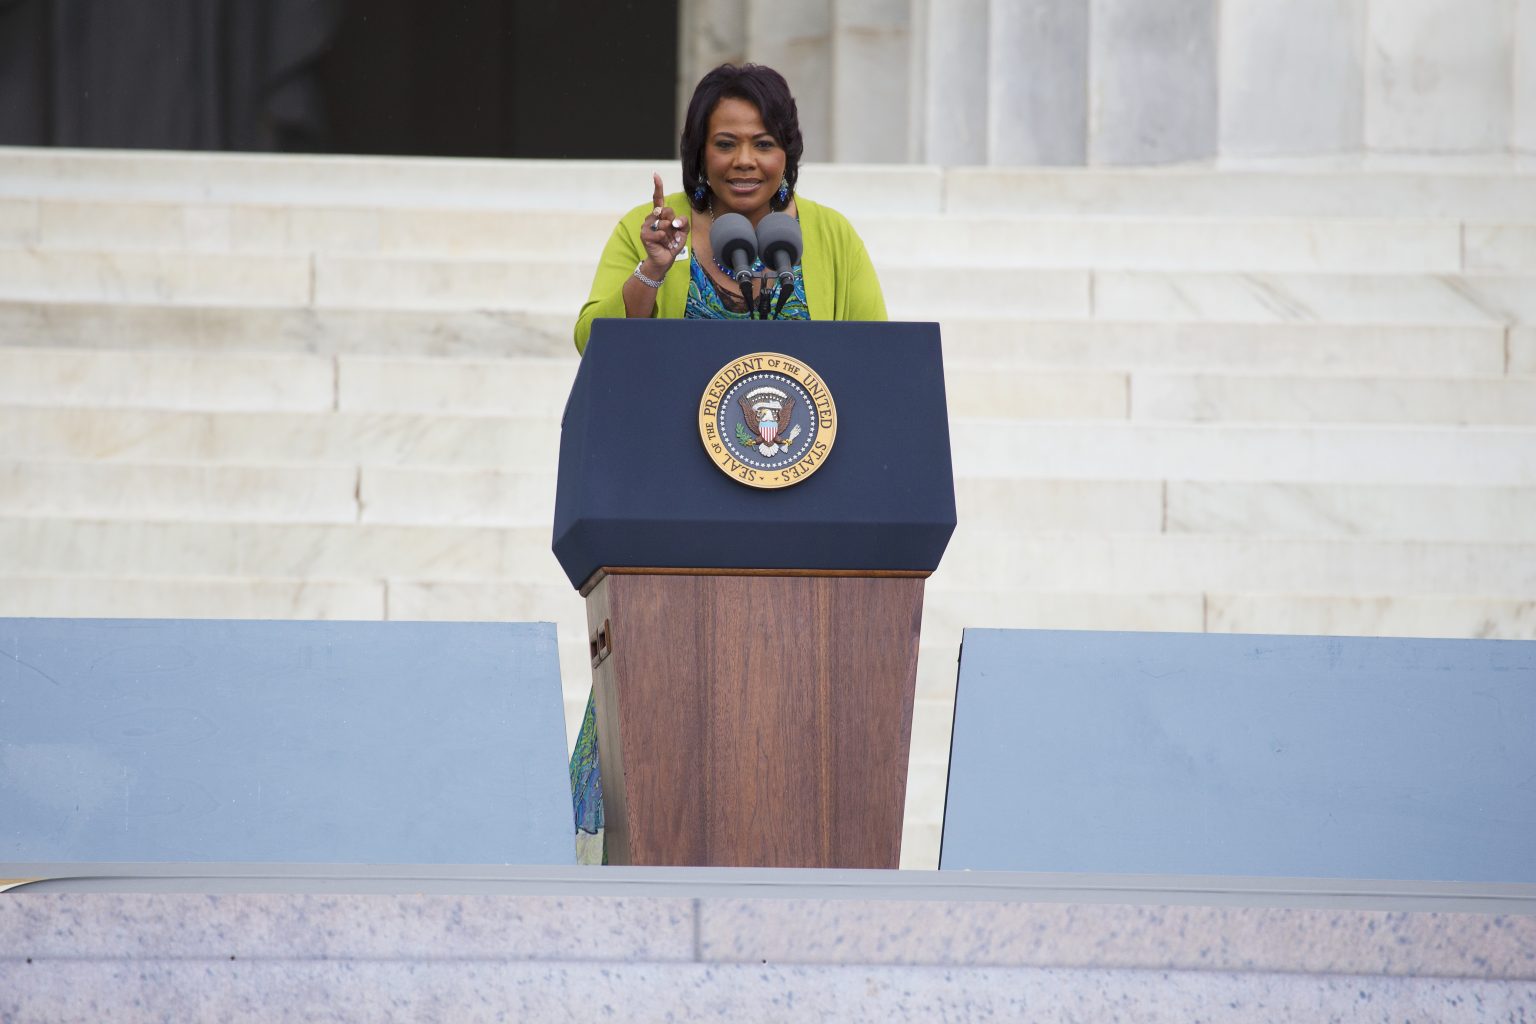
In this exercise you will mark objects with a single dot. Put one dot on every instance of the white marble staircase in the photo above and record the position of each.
(1186, 399)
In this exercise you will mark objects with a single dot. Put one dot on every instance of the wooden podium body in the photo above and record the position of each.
(754, 651)
(752, 719)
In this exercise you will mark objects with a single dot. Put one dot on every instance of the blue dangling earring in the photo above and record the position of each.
(698, 194)
(783, 194)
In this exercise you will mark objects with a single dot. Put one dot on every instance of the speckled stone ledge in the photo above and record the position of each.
(485, 991)
(671, 944)
(757, 931)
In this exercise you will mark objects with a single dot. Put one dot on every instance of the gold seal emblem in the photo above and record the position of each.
(767, 420)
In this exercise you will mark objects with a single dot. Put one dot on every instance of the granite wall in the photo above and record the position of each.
(1136, 82)
(604, 952)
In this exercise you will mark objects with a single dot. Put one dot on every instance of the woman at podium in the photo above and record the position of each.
(740, 148)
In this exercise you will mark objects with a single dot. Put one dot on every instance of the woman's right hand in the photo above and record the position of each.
(663, 234)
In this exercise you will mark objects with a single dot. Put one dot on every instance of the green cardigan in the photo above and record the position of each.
(840, 282)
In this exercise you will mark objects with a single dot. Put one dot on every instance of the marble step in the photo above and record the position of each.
(1205, 244)
(608, 187)
(1145, 243)
(1428, 512)
(474, 498)
(528, 386)
(1124, 563)
(203, 493)
(1520, 351)
(1003, 192)
(262, 227)
(1377, 299)
(57, 546)
(293, 329)
(612, 186)
(181, 380)
(1140, 564)
(913, 292)
(426, 496)
(1367, 454)
(329, 180)
(535, 386)
(1511, 618)
(1156, 397)
(194, 492)
(1500, 248)
(983, 449)
(1487, 401)
(215, 597)
(1271, 508)
(505, 443)
(156, 277)
(1312, 349)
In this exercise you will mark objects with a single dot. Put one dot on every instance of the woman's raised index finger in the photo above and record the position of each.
(661, 195)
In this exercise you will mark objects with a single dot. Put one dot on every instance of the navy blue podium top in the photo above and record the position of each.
(637, 487)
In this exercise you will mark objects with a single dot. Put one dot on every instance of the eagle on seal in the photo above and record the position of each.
(767, 411)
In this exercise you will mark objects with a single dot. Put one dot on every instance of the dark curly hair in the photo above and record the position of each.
(760, 86)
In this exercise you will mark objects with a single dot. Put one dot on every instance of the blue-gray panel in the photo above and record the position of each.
(334, 742)
(1206, 754)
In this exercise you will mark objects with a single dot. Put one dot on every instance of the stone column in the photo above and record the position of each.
(1292, 77)
(951, 124)
(1439, 75)
(794, 37)
(1152, 75)
(871, 72)
(710, 33)
(1037, 97)
(1523, 138)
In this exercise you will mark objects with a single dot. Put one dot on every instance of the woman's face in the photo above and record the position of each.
(743, 164)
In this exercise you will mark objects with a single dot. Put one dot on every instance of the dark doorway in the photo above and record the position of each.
(507, 78)
(525, 78)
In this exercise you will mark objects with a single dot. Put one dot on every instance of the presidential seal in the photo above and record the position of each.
(767, 420)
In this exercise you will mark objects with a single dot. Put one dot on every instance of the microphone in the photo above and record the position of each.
(778, 237)
(735, 245)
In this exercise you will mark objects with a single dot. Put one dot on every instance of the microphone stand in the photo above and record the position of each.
(764, 301)
(786, 289)
(745, 281)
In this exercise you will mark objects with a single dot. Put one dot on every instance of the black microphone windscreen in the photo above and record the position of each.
(779, 232)
(732, 236)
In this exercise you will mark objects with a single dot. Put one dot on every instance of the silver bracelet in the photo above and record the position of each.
(648, 282)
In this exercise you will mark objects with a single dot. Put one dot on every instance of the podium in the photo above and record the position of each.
(754, 650)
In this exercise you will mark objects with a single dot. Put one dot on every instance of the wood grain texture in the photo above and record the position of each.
(756, 720)
(626, 570)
